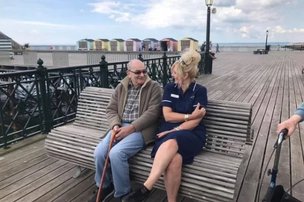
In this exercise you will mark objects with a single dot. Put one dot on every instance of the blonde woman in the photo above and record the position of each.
(182, 133)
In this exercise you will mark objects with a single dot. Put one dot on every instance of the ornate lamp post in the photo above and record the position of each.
(266, 48)
(208, 59)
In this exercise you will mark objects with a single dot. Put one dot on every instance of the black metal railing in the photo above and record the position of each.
(35, 101)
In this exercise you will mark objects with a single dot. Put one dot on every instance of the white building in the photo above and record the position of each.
(6, 43)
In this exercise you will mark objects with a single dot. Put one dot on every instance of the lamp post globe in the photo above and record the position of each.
(209, 2)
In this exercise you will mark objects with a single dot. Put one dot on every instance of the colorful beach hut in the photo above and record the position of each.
(117, 45)
(187, 43)
(85, 44)
(101, 44)
(150, 44)
(168, 44)
(133, 44)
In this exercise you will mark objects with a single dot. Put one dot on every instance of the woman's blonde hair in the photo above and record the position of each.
(188, 63)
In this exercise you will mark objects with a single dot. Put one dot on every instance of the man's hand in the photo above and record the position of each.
(124, 131)
(115, 130)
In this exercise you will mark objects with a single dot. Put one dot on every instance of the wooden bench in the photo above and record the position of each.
(212, 176)
(260, 51)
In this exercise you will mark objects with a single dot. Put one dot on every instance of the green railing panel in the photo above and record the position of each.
(35, 101)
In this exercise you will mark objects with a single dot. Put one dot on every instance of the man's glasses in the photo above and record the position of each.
(138, 72)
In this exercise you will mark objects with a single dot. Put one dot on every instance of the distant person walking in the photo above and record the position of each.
(217, 48)
(203, 47)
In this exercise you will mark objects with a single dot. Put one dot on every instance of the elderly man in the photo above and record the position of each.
(133, 114)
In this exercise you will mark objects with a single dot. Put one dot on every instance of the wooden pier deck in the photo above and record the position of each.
(273, 83)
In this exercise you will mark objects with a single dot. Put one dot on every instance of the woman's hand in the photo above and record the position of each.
(164, 133)
(199, 112)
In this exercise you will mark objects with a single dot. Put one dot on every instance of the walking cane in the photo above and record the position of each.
(105, 167)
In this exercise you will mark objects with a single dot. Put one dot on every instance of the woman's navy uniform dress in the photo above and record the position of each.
(190, 142)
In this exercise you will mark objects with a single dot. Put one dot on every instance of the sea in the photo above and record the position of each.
(248, 47)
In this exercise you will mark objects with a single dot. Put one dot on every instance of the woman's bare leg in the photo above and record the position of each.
(172, 177)
(163, 157)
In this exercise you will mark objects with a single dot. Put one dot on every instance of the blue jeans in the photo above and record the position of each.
(118, 169)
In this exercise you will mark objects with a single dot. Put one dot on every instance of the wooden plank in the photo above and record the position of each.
(17, 177)
(271, 138)
(85, 194)
(252, 85)
(296, 148)
(21, 148)
(39, 187)
(285, 156)
(264, 115)
(9, 157)
(14, 184)
(12, 169)
(70, 189)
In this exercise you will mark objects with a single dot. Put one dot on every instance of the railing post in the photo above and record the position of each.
(165, 74)
(2, 133)
(154, 69)
(104, 72)
(201, 64)
(44, 97)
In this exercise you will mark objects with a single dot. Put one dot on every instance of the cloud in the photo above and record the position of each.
(117, 11)
(45, 25)
(234, 20)
(153, 14)
(224, 3)
(261, 4)
(231, 15)
(39, 32)
(172, 13)
(107, 7)
(191, 13)
(241, 19)
(281, 30)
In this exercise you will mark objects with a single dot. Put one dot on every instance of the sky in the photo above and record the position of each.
(64, 22)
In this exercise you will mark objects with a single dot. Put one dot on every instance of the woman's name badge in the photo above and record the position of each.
(174, 95)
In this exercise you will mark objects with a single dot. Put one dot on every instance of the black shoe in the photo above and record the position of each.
(106, 193)
(137, 195)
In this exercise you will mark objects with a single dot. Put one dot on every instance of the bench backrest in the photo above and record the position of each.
(228, 127)
(91, 108)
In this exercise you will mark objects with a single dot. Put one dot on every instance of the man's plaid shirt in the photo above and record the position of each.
(132, 106)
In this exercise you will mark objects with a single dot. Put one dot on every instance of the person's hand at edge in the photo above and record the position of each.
(290, 124)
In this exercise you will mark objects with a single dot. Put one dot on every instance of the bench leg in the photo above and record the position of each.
(252, 134)
(80, 171)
